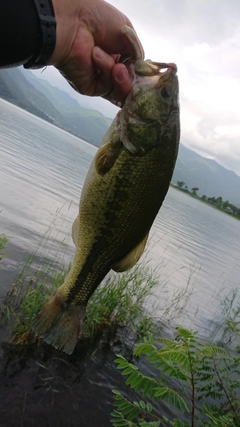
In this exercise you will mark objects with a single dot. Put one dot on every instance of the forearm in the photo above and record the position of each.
(19, 26)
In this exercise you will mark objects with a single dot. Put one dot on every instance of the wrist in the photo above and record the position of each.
(46, 36)
(66, 15)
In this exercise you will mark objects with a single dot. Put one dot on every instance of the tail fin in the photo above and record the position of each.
(60, 324)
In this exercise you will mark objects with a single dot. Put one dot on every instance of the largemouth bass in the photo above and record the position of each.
(123, 192)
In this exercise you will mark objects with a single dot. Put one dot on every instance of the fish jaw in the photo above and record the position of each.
(60, 324)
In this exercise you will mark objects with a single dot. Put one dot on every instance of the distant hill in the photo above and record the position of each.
(16, 89)
(50, 103)
(45, 101)
(212, 179)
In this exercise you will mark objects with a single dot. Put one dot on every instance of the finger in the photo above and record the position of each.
(122, 84)
(104, 64)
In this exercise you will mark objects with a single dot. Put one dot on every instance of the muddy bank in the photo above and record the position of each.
(42, 386)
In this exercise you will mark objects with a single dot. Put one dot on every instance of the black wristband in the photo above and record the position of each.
(46, 36)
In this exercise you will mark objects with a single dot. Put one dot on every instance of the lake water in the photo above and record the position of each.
(42, 170)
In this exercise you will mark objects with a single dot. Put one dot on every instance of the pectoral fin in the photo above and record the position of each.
(107, 156)
(131, 258)
(75, 231)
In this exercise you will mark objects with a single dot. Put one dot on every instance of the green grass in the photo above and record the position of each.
(227, 329)
(3, 242)
(121, 300)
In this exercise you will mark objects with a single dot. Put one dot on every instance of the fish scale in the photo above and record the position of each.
(124, 233)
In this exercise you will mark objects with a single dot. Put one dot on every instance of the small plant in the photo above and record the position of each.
(121, 300)
(228, 330)
(33, 299)
(3, 241)
(201, 372)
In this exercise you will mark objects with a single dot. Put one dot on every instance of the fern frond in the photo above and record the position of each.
(124, 408)
(175, 422)
(173, 397)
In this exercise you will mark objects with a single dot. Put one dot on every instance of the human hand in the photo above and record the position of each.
(89, 44)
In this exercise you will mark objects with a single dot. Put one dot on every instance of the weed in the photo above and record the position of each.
(3, 241)
(121, 300)
(201, 372)
(228, 329)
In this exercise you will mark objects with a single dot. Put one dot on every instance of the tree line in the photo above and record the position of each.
(218, 202)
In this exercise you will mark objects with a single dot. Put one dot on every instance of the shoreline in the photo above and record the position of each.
(195, 196)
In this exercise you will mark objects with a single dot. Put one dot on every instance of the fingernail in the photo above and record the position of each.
(122, 75)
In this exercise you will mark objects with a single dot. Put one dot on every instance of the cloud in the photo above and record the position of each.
(188, 20)
(203, 38)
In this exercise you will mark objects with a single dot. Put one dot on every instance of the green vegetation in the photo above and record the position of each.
(217, 202)
(120, 301)
(228, 330)
(199, 381)
(3, 242)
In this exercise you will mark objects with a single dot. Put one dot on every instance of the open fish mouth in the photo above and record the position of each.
(166, 67)
(162, 66)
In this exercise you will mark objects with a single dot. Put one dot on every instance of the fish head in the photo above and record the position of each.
(152, 106)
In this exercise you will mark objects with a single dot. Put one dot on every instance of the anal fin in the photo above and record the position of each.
(75, 231)
(131, 258)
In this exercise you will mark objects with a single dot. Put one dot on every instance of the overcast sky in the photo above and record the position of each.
(203, 38)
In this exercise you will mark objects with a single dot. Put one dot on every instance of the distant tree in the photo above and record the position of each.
(186, 188)
(219, 202)
(211, 200)
(180, 184)
(194, 190)
(204, 197)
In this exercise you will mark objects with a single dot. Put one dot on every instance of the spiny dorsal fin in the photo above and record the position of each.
(131, 258)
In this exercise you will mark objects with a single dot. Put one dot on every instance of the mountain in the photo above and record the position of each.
(16, 89)
(210, 177)
(50, 103)
(90, 125)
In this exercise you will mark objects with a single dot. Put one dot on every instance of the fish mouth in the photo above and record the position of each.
(161, 67)
(166, 67)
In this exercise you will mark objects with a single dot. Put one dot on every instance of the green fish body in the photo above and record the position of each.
(123, 192)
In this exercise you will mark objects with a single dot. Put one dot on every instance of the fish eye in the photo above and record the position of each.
(166, 92)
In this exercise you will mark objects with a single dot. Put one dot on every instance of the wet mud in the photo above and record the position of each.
(42, 386)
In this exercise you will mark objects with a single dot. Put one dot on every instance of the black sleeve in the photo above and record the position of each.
(19, 29)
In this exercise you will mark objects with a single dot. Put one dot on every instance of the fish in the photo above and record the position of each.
(122, 194)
